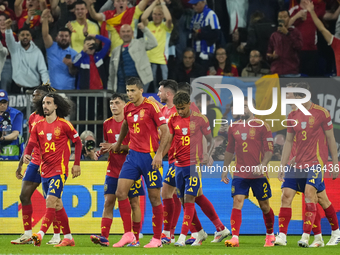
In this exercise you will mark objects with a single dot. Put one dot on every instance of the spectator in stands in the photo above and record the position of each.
(259, 31)
(6, 74)
(4, 9)
(88, 141)
(213, 112)
(222, 65)
(112, 21)
(3, 56)
(59, 56)
(28, 64)
(71, 8)
(109, 6)
(235, 50)
(130, 59)
(284, 47)
(330, 39)
(303, 22)
(205, 31)
(11, 142)
(92, 73)
(31, 12)
(159, 55)
(81, 27)
(256, 67)
(188, 69)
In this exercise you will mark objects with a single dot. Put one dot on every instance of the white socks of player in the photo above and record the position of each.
(28, 232)
(68, 236)
(56, 235)
(166, 233)
(41, 234)
(181, 238)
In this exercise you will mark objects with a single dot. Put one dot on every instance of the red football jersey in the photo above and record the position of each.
(249, 144)
(310, 135)
(33, 119)
(188, 134)
(111, 134)
(143, 122)
(167, 113)
(53, 140)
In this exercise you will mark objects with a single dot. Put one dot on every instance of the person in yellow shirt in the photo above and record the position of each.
(81, 27)
(112, 20)
(162, 31)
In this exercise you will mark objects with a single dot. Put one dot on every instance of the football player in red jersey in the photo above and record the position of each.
(142, 118)
(115, 162)
(52, 135)
(187, 128)
(32, 179)
(252, 142)
(312, 134)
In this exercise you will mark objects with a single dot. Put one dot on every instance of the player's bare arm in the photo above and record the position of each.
(210, 147)
(123, 132)
(228, 157)
(157, 160)
(168, 145)
(261, 167)
(77, 153)
(287, 148)
(334, 153)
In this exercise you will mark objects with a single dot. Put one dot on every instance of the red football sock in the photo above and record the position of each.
(168, 213)
(105, 227)
(47, 219)
(125, 214)
(27, 211)
(177, 212)
(196, 222)
(332, 217)
(157, 221)
(235, 221)
(317, 223)
(136, 229)
(56, 226)
(189, 211)
(309, 217)
(284, 218)
(209, 210)
(269, 221)
(62, 217)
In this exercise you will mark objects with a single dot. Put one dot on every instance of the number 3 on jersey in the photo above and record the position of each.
(49, 147)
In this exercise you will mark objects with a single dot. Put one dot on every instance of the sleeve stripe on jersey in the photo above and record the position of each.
(108, 119)
(154, 105)
(67, 122)
(215, 22)
(318, 107)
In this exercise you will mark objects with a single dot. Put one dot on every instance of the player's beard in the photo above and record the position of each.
(245, 117)
(48, 112)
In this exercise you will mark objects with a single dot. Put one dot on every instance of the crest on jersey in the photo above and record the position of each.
(49, 136)
(192, 125)
(311, 121)
(135, 117)
(141, 113)
(184, 131)
(303, 125)
(252, 132)
(117, 137)
(244, 136)
(57, 131)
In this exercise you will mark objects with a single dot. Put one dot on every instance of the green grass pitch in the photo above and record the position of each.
(248, 245)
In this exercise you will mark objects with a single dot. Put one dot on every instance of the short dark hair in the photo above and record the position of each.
(246, 99)
(198, 96)
(78, 2)
(122, 97)
(184, 86)
(284, 10)
(134, 81)
(303, 85)
(46, 87)
(181, 98)
(89, 38)
(63, 110)
(291, 84)
(5, 15)
(170, 84)
(191, 50)
(24, 29)
(64, 29)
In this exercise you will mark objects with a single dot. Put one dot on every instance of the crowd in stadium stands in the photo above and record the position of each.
(88, 44)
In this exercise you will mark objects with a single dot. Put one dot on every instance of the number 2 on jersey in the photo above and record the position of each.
(49, 147)
(245, 145)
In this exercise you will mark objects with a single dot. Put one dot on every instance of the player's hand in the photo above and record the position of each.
(106, 147)
(157, 161)
(224, 177)
(258, 170)
(27, 159)
(75, 171)
(335, 172)
(18, 172)
(281, 174)
(205, 159)
(115, 147)
(99, 153)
